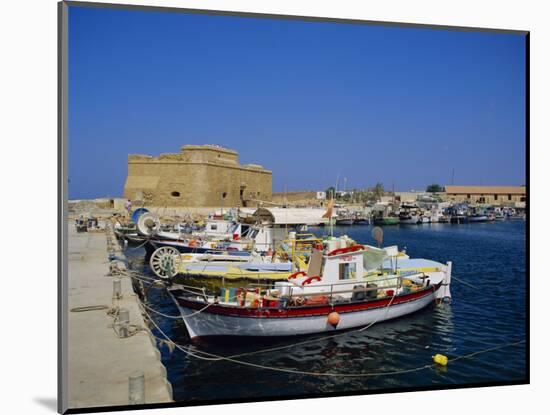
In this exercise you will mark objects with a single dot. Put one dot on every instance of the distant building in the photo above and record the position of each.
(495, 195)
(198, 176)
(321, 196)
(410, 196)
(305, 198)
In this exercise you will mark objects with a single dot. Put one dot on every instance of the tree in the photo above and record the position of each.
(330, 192)
(434, 188)
(378, 191)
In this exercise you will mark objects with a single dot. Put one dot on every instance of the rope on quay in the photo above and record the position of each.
(90, 308)
(114, 312)
(213, 357)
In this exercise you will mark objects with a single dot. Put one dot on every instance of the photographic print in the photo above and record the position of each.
(261, 207)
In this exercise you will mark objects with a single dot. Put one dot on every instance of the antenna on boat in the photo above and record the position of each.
(286, 218)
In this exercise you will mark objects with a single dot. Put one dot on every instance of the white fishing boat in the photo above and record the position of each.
(409, 214)
(425, 219)
(344, 287)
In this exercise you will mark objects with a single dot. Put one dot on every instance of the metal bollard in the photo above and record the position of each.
(123, 322)
(136, 388)
(117, 289)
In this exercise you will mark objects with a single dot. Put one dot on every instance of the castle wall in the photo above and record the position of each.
(195, 177)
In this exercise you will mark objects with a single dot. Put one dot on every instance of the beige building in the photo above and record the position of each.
(205, 175)
(495, 195)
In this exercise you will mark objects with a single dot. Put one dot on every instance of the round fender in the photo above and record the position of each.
(336, 251)
(296, 274)
(310, 280)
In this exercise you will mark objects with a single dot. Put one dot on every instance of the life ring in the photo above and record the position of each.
(339, 251)
(310, 280)
(296, 274)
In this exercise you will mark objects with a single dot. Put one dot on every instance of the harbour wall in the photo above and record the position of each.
(100, 362)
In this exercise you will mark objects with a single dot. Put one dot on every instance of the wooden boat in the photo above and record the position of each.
(289, 256)
(341, 289)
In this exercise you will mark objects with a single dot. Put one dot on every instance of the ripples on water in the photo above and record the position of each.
(489, 255)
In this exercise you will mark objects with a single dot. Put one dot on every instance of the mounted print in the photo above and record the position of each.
(263, 207)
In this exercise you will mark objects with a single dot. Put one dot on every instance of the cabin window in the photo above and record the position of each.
(347, 270)
(175, 194)
(509, 197)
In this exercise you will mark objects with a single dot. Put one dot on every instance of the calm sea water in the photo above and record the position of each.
(491, 256)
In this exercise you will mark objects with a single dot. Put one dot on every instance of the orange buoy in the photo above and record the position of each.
(333, 319)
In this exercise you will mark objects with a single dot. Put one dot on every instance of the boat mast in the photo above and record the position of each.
(333, 203)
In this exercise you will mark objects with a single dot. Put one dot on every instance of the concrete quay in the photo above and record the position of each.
(99, 362)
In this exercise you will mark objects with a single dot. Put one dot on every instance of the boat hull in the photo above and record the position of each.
(232, 321)
(344, 222)
(480, 218)
(409, 221)
(386, 221)
(183, 248)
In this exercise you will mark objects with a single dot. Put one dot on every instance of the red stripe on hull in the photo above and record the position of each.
(304, 311)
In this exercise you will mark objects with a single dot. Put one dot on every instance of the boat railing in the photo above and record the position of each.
(338, 288)
(200, 291)
(333, 293)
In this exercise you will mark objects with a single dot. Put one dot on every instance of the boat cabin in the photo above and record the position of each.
(338, 269)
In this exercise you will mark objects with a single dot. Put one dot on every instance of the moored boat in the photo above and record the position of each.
(477, 218)
(386, 220)
(344, 221)
(342, 288)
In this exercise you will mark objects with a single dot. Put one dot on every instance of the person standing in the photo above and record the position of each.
(128, 207)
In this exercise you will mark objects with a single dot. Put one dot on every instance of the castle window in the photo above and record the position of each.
(509, 197)
(175, 194)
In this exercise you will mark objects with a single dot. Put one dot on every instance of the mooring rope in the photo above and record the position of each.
(179, 316)
(272, 349)
(287, 346)
(465, 283)
(214, 357)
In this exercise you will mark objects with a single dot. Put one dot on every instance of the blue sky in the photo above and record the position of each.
(308, 100)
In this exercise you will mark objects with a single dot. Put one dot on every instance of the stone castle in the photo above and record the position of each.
(198, 176)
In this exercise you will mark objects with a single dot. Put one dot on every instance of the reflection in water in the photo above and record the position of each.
(490, 256)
